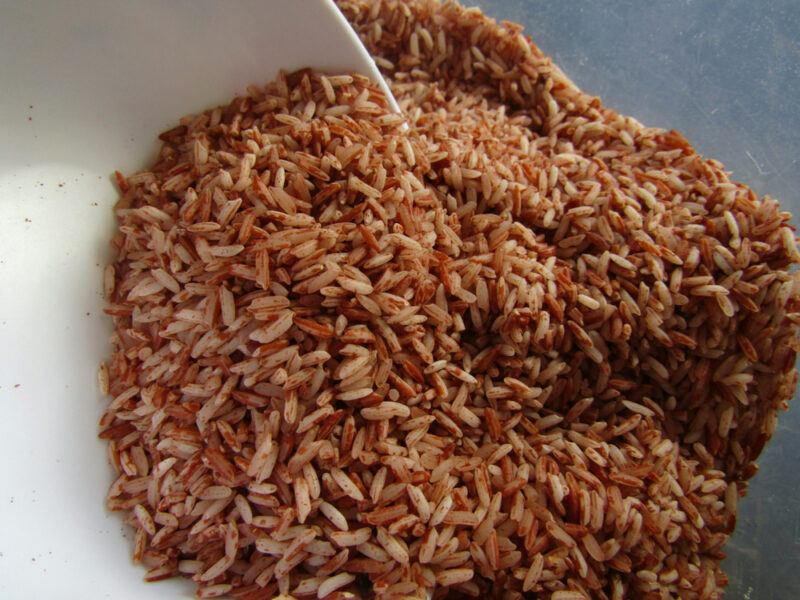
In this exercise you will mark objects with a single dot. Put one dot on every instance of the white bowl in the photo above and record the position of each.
(85, 88)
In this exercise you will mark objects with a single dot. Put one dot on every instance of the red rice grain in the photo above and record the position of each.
(508, 343)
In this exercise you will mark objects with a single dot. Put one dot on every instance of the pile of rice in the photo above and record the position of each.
(522, 347)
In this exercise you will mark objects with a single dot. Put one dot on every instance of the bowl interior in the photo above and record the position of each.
(85, 88)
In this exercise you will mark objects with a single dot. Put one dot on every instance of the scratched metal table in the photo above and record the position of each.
(727, 75)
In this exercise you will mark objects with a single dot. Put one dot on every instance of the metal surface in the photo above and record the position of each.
(727, 75)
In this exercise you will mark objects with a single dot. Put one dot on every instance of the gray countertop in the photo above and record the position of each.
(727, 75)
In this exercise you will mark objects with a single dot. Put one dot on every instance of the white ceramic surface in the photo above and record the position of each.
(85, 87)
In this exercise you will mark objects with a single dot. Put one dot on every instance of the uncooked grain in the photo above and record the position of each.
(508, 344)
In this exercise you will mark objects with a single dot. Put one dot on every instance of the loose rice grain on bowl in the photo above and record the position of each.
(509, 343)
